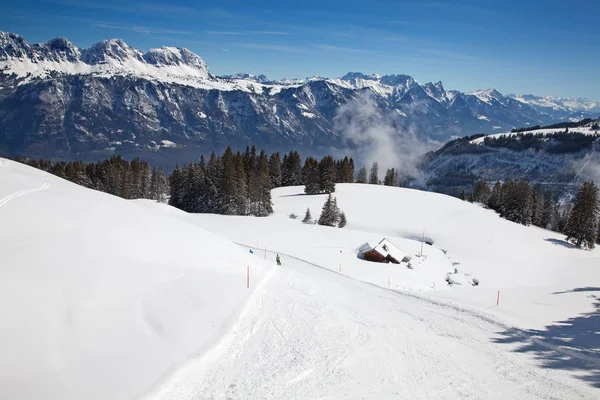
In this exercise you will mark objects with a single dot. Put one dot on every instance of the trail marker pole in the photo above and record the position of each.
(498, 298)
(247, 277)
(265, 252)
(422, 240)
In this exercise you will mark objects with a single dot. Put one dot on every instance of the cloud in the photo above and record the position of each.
(142, 29)
(274, 47)
(247, 33)
(371, 135)
(224, 49)
(588, 168)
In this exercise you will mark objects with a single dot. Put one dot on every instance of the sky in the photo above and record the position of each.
(549, 47)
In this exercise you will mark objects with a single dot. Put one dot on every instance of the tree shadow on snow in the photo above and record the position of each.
(572, 345)
(581, 289)
(563, 243)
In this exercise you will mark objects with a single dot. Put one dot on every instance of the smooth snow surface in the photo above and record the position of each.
(103, 298)
(100, 297)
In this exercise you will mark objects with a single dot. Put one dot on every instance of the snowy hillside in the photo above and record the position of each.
(99, 296)
(585, 130)
(104, 298)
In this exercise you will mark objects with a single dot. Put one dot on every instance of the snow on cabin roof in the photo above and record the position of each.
(385, 248)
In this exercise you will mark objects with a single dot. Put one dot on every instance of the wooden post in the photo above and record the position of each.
(247, 277)
(498, 298)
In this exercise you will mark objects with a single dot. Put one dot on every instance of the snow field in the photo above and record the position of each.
(584, 129)
(100, 297)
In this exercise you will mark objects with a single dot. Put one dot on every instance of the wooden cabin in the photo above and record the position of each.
(383, 252)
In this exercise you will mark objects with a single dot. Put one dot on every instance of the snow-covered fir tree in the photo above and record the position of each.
(582, 226)
(361, 177)
(327, 172)
(311, 176)
(374, 174)
(330, 212)
(275, 170)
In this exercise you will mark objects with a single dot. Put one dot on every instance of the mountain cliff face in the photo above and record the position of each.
(59, 101)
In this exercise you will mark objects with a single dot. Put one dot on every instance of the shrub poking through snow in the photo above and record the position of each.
(342, 222)
(293, 216)
(307, 216)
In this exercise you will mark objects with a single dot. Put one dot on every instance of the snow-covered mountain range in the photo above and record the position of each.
(57, 100)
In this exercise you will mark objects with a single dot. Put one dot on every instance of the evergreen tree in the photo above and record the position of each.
(329, 214)
(241, 199)
(327, 172)
(391, 177)
(537, 212)
(582, 226)
(495, 200)
(265, 206)
(463, 195)
(228, 185)
(307, 216)
(312, 178)
(211, 197)
(291, 170)
(176, 185)
(343, 221)
(549, 213)
(562, 217)
(517, 202)
(275, 170)
(362, 175)
(374, 174)
(481, 191)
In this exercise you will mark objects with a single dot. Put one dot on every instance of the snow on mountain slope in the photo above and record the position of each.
(100, 297)
(500, 254)
(586, 130)
(311, 332)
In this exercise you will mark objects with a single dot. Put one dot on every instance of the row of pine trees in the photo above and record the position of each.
(241, 183)
(129, 180)
(520, 202)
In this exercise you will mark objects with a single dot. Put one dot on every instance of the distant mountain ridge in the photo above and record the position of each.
(60, 101)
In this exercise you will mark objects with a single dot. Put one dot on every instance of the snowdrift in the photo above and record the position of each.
(100, 297)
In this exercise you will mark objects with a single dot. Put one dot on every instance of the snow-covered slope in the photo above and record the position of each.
(561, 108)
(101, 297)
(585, 130)
(312, 333)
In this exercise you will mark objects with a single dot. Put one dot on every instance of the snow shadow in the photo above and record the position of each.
(581, 289)
(572, 345)
(559, 242)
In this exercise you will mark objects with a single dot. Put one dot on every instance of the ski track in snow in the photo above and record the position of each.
(314, 333)
(16, 194)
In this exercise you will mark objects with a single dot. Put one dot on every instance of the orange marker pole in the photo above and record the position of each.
(498, 298)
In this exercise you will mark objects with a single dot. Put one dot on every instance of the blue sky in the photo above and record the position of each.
(547, 47)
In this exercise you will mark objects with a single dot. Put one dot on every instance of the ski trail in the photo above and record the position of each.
(316, 333)
(10, 197)
(181, 380)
